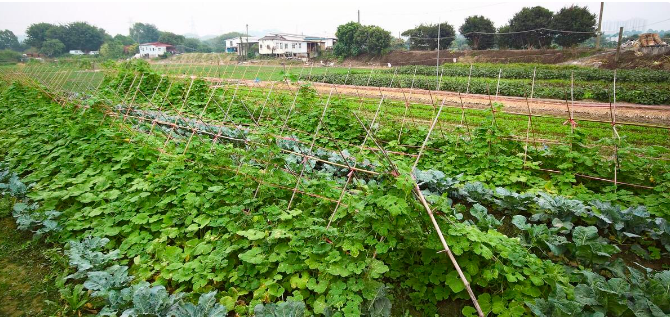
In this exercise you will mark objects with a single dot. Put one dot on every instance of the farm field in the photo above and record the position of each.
(258, 193)
(640, 86)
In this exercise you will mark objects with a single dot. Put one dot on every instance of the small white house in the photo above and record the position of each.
(232, 45)
(93, 52)
(155, 49)
(293, 45)
(77, 52)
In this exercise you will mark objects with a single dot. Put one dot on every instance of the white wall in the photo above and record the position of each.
(152, 51)
(281, 47)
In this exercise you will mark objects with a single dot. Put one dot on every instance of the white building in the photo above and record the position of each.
(155, 49)
(77, 52)
(232, 45)
(294, 45)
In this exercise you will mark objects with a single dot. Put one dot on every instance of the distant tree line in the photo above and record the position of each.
(54, 40)
(535, 27)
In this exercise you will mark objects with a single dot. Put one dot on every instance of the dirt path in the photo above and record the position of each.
(652, 115)
(625, 112)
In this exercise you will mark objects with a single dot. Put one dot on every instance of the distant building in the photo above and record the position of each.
(77, 52)
(155, 49)
(93, 52)
(293, 45)
(233, 45)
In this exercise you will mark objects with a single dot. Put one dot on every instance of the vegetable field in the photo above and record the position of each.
(187, 191)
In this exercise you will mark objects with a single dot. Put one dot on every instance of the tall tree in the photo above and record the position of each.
(573, 18)
(531, 19)
(8, 40)
(112, 50)
(144, 33)
(83, 36)
(424, 37)
(504, 40)
(171, 38)
(472, 30)
(37, 34)
(191, 44)
(376, 39)
(346, 45)
(354, 39)
(124, 39)
(52, 48)
(218, 43)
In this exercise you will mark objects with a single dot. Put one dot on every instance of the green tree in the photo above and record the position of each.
(345, 45)
(112, 50)
(531, 19)
(472, 30)
(424, 37)
(8, 40)
(573, 18)
(83, 36)
(377, 40)
(144, 33)
(171, 38)
(37, 34)
(191, 44)
(9, 57)
(52, 48)
(218, 43)
(123, 39)
(503, 38)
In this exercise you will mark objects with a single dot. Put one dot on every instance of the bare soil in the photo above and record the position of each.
(625, 112)
(653, 115)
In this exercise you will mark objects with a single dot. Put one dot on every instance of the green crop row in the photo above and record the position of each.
(525, 71)
(652, 94)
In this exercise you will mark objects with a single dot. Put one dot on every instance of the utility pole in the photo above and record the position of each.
(359, 16)
(246, 49)
(600, 24)
(437, 63)
(618, 48)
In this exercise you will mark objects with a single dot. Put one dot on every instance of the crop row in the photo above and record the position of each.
(542, 72)
(634, 93)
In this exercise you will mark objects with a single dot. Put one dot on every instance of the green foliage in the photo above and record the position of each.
(52, 48)
(9, 57)
(635, 86)
(8, 41)
(531, 19)
(573, 18)
(112, 50)
(191, 227)
(37, 34)
(355, 39)
(471, 29)
(171, 38)
(144, 33)
(281, 309)
(424, 37)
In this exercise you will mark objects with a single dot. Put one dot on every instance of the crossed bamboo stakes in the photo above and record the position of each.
(66, 89)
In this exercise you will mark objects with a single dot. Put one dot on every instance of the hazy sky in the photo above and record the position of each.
(308, 17)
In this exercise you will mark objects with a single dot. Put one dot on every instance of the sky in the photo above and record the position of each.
(306, 17)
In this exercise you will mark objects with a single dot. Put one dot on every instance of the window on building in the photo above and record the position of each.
(299, 45)
(292, 45)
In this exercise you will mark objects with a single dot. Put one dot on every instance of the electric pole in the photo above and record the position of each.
(359, 16)
(437, 63)
(618, 49)
(600, 23)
